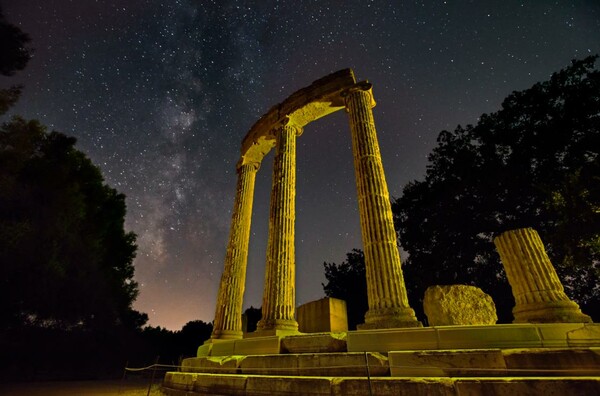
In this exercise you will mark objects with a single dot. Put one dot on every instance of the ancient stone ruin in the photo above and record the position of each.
(538, 292)
(279, 129)
(551, 347)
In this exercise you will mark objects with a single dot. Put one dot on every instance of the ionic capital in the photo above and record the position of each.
(255, 166)
(363, 86)
(290, 123)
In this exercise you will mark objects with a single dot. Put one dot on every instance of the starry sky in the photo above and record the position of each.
(160, 94)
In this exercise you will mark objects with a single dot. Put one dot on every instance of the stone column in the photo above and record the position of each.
(279, 297)
(228, 315)
(388, 303)
(539, 295)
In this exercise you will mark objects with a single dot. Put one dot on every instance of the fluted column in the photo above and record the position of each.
(388, 302)
(279, 297)
(538, 292)
(228, 315)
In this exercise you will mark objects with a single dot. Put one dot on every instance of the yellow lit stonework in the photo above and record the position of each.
(228, 316)
(279, 128)
(279, 298)
(539, 295)
(388, 302)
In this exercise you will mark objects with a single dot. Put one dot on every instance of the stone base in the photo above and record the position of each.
(389, 318)
(549, 358)
(273, 332)
(265, 325)
(227, 335)
(550, 312)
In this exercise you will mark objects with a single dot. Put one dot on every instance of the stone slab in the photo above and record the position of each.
(205, 349)
(466, 363)
(257, 346)
(220, 384)
(553, 362)
(226, 384)
(270, 365)
(212, 364)
(493, 336)
(588, 334)
(555, 335)
(392, 340)
(314, 343)
(528, 386)
(222, 348)
(266, 385)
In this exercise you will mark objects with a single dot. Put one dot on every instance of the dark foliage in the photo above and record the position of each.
(14, 55)
(251, 317)
(64, 255)
(535, 163)
(13, 41)
(347, 281)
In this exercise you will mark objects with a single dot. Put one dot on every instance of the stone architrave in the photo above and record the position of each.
(538, 292)
(228, 315)
(458, 305)
(279, 297)
(388, 302)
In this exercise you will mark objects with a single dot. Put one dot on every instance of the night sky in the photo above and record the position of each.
(160, 94)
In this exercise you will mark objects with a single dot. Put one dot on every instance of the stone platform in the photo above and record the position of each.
(447, 360)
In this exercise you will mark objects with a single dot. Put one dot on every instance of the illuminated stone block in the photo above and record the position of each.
(385, 340)
(314, 343)
(447, 363)
(324, 315)
(458, 305)
(496, 336)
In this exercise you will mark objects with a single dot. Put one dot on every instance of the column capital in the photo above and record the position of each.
(363, 86)
(290, 123)
(242, 162)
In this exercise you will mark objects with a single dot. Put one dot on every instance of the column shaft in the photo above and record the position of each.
(279, 296)
(228, 314)
(538, 292)
(388, 302)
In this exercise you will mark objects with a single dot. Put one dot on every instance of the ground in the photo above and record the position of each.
(126, 387)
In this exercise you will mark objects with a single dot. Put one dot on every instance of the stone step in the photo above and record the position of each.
(522, 362)
(188, 384)
(305, 364)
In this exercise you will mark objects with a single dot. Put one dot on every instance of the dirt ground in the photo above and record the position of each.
(126, 387)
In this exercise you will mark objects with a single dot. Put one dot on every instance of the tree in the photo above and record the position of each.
(347, 281)
(534, 163)
(252, 316)
(14, 57)
(65, 257)
(192, 335)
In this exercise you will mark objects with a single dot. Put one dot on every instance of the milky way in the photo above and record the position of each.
(161, 93)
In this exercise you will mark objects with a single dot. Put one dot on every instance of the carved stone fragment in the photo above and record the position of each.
(458, 305)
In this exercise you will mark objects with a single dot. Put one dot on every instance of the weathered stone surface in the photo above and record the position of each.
(228, 324)
(458, 305)
(314, 343)
(279, 296)
(386, 291)
(324, 315)
(539, 294)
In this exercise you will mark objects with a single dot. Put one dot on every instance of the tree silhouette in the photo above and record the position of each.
(535, 163)
(14, 56)
(65, 258)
